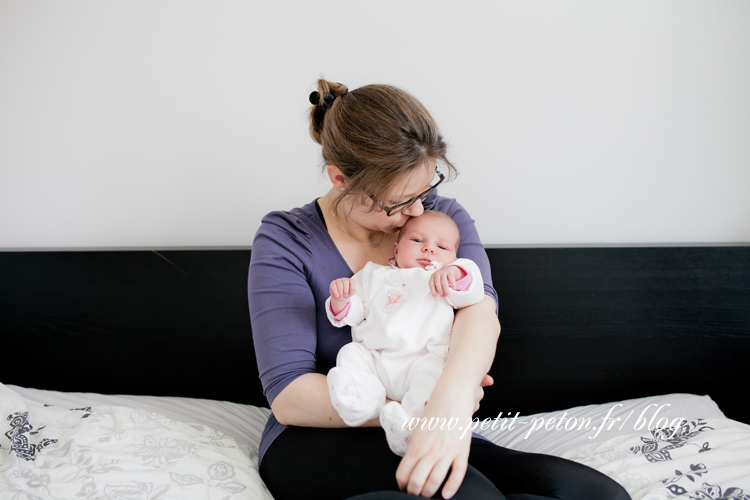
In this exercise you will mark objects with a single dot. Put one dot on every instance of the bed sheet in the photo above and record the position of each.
(244, 423)
(661, 447)
(123, 452)
(556, 432)
(602, 436)
(703, 459)
(540, 433)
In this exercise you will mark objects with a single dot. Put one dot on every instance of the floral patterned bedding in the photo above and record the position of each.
(701, 459)
(119, 452)
(48, 452)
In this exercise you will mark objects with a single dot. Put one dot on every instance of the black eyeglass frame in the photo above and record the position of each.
(400, 207)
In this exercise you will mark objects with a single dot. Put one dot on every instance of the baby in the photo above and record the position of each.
(401, 317)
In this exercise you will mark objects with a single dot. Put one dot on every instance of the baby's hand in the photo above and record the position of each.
(444, 279)
(341, 289)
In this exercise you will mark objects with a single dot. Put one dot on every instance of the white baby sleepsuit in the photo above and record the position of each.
(400, 337)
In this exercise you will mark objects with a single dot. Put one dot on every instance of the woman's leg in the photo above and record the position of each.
(520, 475)
(305, 462)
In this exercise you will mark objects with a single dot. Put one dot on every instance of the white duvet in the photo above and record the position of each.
(141, 447)
(661, 447)
(696, 460)
(49, 452)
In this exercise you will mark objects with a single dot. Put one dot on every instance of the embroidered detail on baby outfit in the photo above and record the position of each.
(392, 300)
(399, 279)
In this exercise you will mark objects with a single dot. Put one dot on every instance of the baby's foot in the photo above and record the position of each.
(395, 422)
(354, 407)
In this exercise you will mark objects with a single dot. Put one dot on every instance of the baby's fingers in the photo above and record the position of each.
(435, 288)
(340, 288)
(348, 288)
(452, 281)
(445, 284)
(431, 284)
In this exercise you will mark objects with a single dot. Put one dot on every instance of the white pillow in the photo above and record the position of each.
(244, 423)
(117, 446)
(706, 459)
(556, 432)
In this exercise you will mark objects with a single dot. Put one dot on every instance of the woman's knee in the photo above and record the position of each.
(475, 485)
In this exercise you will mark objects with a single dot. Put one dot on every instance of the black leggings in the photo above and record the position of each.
(313, 463)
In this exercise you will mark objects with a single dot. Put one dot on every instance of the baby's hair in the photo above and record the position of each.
(438, 214)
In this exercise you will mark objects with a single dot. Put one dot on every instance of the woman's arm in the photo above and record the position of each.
(283, 313)
(432, 453)
(306, 402)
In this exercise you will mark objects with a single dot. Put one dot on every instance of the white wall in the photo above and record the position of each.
(152, 123)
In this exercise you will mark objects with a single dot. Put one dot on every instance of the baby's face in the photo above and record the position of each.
(424, 239)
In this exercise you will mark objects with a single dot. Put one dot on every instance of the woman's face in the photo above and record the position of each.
(412, 185)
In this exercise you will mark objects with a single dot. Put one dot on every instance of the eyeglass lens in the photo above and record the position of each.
(396, 209)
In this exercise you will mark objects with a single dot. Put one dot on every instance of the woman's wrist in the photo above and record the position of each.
(454, 395)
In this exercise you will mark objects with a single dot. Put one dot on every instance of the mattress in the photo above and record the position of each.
(58, 445)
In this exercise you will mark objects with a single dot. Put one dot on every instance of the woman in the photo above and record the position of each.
(384, 158)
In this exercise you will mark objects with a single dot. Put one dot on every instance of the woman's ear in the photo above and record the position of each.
(337, 177)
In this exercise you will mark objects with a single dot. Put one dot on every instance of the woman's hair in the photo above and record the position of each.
(376, 135)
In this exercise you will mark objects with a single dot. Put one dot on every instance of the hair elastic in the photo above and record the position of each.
(327, 100)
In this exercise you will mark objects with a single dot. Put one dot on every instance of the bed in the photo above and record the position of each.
(131, 374)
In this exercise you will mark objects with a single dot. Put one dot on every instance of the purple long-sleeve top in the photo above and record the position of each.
(292, 264)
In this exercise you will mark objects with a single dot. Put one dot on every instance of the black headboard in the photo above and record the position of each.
(129, 322)
(580, 325)
(594, 325)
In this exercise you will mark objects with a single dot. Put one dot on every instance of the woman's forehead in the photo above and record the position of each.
(414, 182)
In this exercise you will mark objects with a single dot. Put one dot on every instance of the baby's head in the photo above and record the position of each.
(431, 236)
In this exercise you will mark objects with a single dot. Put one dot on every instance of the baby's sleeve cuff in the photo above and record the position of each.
(342, 314)
(464, 283)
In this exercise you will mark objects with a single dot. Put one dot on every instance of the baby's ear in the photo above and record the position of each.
(395, 248)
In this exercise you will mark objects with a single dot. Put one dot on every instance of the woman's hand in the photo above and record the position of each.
(455, 396)
(487, 381)
(433, 452)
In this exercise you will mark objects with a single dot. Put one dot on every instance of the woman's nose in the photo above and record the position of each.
(416, 209)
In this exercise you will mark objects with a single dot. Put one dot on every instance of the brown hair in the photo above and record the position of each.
(376, 135)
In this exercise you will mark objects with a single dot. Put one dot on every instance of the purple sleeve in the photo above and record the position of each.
(281, 302)
(470, 246)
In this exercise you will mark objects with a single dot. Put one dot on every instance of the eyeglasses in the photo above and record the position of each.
(400, 207)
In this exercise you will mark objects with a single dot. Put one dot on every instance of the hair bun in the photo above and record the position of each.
(314, 97)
